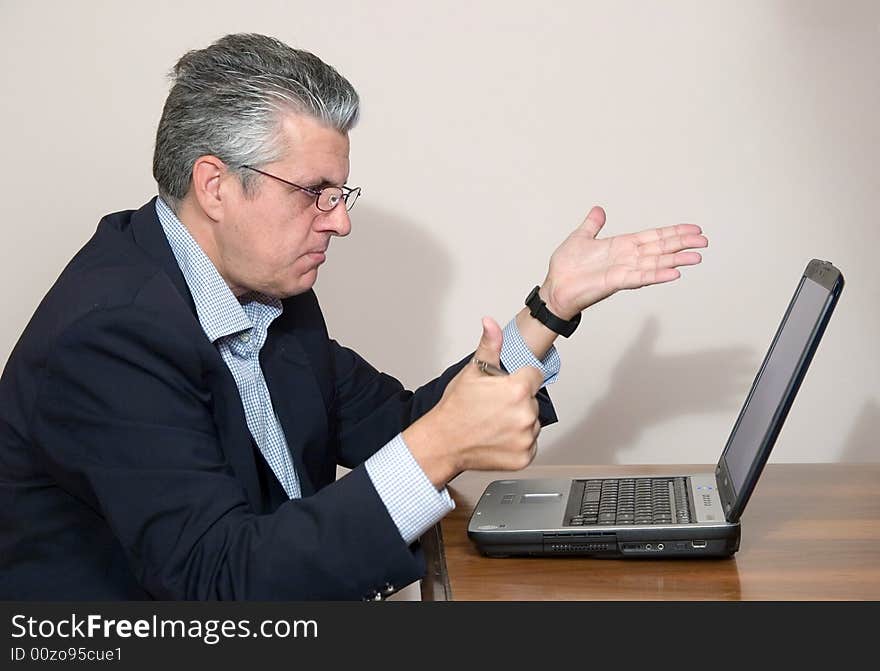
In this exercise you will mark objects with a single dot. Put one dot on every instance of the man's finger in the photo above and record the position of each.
(656, 234)
(533, 451)
(594, 222)
(673, 243)
(489, 349)
(634, 279)
(669, 260)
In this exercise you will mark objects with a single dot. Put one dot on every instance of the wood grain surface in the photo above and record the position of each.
(810, 532)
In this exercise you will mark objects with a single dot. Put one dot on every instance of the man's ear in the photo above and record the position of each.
(207, 176)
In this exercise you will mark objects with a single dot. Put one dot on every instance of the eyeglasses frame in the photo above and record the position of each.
(346, 191)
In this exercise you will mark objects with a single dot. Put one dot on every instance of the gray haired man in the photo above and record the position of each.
(173, 415)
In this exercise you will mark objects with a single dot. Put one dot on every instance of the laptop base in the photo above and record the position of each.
(659, 543)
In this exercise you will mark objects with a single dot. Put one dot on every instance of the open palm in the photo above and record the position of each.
(584, 270)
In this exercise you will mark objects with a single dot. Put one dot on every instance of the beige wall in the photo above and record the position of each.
(487, 133)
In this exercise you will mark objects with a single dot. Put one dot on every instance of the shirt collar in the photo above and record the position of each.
(219, 311)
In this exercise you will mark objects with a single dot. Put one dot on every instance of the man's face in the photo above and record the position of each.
(274, 240)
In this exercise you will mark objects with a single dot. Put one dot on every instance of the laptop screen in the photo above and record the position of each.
(774, 381)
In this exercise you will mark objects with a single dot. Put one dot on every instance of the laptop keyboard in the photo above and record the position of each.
(632, 501)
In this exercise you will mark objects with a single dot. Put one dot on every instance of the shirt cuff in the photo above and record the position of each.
(516, 354)
(413, 502)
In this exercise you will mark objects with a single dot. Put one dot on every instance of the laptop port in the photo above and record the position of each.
(699, 544)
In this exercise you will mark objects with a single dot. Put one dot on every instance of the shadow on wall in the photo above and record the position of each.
(382, 290)
(649, 388)
(863, 442)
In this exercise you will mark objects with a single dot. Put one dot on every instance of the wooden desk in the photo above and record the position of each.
(810, 532)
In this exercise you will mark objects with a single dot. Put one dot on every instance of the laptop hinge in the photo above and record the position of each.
(726, 493)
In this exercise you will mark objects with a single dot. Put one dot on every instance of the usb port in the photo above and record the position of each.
(699, 544)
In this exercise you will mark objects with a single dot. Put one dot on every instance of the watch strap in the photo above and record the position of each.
(538, 309)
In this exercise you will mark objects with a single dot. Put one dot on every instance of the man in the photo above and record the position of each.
(173, 415)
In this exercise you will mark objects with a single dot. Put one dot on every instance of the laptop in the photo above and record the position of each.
(689, 515)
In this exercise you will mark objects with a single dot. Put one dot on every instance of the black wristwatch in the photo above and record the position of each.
(538, 310)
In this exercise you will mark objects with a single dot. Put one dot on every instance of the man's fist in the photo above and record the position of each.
(482, 422)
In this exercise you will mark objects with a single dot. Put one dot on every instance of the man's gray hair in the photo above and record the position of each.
(227, 101)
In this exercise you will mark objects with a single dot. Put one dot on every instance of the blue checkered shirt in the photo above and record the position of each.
(238, 328)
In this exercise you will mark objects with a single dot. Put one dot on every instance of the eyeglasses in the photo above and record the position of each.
(325, 199)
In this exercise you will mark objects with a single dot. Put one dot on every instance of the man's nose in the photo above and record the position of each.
(336, 221)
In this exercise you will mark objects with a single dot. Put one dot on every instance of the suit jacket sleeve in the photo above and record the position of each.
(123, 421)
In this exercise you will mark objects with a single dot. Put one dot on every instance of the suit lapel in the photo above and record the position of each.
(299, 405)
(234, 435)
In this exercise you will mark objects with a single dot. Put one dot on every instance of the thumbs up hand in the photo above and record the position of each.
(482, 421)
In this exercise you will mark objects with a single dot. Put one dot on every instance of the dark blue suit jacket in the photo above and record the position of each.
(127, 470)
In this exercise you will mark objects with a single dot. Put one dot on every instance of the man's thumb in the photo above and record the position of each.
(489, 349)
(595, 221)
